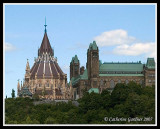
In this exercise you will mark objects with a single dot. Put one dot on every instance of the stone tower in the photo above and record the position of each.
(93, 64)
(149, 72)
(74, 67)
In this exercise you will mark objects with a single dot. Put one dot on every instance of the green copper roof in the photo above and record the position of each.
(100, 62)
(75, 59)
(95, 90)
(25, 92)
(94, 45)
(84, 76)
(120, 75)
(121, 67)
(72, 59)
(75, 80)
(90, 46)
(150, 63)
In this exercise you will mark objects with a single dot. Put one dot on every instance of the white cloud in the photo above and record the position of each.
(113, 37)
(136, 49)
(9, 47)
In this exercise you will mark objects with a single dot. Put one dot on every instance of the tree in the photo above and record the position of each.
(36, 97)
(28, 120)
(50, 120)
(13, 93)
(119, 94)
(106, 97)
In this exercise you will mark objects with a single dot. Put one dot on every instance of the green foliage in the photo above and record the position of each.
(124, 101)
(50, 120)
(13, 93)
(35, 97)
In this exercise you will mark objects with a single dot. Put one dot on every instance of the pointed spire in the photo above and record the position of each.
(27, 66)
(18, 85)
(21, 84)
(45, 26)
(76, 59)
(45, 45)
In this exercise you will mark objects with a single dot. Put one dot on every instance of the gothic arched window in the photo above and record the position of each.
(39, 85)
(134, 81)
(141, 82)
(119, 81)
(101, 82)
(47, 84)
(112, 84)
(127, 81)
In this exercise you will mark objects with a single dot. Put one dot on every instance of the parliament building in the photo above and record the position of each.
(47, 80)
(98, 76)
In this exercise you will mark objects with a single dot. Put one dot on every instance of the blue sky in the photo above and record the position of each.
(122, 32)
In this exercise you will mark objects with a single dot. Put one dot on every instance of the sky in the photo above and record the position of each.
(123, 33)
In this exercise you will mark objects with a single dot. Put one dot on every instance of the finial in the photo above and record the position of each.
(45, 25)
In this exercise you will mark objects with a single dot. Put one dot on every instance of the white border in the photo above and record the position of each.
(4, 4)
(80, 4)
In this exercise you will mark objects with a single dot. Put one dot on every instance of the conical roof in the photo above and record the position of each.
(46, 66)
(45, 45)
(49, 69)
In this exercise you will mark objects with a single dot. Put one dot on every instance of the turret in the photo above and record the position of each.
(74, 67)
(21, 85)
(27, 74)
(149, 72)
(18, 88)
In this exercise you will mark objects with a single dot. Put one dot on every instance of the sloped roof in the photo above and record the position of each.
(48, 68)
(95, 90)
(84, 76)
(93, 46)
(25, 92)
(121, 67)
(121, 74)
(75, 80)
(45, 45)
(74, 59)
(150, 63)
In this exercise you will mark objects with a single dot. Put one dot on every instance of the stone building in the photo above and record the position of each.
(45, 78)
(98, 76)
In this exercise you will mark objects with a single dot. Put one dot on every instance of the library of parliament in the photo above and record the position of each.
(47, 80)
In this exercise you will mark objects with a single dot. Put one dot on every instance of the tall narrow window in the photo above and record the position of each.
(94, 83)
(140, 82)
(119, 81)
(101, 83)
(112, 84)
(127, 81)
